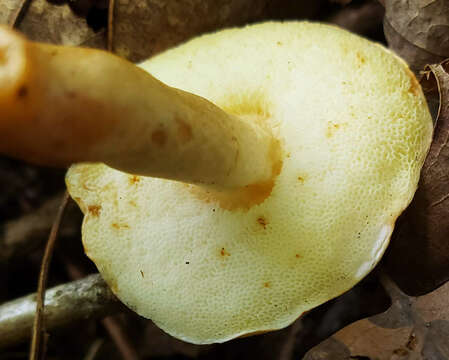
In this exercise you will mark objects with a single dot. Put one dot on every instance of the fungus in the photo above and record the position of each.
(296, 159)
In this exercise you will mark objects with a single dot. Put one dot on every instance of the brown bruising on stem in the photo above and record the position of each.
(184, 131)
(159, 138)
(14, 72)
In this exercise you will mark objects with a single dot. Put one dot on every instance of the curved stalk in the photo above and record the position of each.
(61, 105)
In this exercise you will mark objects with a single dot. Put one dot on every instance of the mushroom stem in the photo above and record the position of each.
(61, 105)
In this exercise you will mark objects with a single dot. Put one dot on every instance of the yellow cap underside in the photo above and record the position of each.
(354, 129)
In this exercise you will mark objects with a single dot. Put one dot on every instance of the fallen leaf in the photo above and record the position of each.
(50, 22)
(144, 28)
(141, 28)
(364, 19)
(9, 10)
(413, 328)
(418, 30)
(21, 236)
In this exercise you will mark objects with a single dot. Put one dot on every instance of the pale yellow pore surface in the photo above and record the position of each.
(354, 129)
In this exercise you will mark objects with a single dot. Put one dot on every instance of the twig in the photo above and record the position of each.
(39, 326)
(93, 350)
(87, 298)
(19, 13)
(111, 25)
(111, 324)
(27, 233)
(120, 339)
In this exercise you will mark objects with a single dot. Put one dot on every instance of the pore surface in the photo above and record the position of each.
(354, 130)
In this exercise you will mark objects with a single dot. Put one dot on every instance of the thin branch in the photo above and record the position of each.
(19, 13)
(111, 25)
(120, 338)
(39, 326)
(93, 350)
(21, 236)
(88, 298)
(111, 324)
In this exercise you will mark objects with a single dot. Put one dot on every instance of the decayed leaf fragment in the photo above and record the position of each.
(413, 328)
(418, 257)
(418, 30)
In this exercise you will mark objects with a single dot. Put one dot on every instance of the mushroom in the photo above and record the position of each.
(287, 169)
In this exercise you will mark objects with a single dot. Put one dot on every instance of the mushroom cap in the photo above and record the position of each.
(354, 130)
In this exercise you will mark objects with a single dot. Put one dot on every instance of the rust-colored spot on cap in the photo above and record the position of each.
(262, 221)
(360, 58)
(134, 179)
(266, 284)
(120, 226)
(414, 84)
(94, 210)
(331, 128)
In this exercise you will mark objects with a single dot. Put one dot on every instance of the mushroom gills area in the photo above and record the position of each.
(354, 130)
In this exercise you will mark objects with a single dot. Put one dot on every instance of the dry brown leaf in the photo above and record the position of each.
(413, 328)
(144, 28)
(418, 256)
(8, 11)
(49, 22)
(418, 30)
(361, 19)
(27, 233)
(141, 28)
